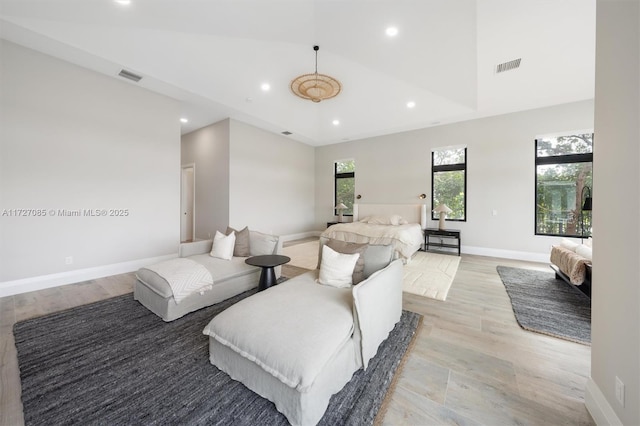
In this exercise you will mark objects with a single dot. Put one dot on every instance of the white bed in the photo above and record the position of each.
(379, 224)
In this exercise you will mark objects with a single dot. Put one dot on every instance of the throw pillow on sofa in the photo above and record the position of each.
(241, 247)
(348, 248)
(223, 245)
(260, 243)
(336, 269)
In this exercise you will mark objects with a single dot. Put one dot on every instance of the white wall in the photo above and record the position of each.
(74, 139)
(208, 149)
(615, 329)
(500, 174)
(271, 182)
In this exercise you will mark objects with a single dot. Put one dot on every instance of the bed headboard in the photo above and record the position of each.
(412, 213)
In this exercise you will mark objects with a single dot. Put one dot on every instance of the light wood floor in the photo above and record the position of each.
(472, 363)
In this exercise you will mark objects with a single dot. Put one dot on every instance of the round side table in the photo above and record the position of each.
(267, 262)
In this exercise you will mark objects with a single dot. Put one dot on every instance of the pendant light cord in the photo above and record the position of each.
(316, 48)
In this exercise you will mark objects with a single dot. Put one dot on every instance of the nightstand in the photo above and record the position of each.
(442, 234)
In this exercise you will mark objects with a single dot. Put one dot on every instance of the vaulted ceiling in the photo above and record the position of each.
(215, 55)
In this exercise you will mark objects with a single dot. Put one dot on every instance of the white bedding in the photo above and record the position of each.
(405, 239)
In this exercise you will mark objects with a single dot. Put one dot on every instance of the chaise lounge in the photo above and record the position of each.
(300, 342)
(227, 277)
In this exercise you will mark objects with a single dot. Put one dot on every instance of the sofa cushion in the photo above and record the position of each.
(568, 244)
(260, 243)
(307, 323)
(377, 257)
(221, 271)
(584, 251)
(336, 269)
(241, 247)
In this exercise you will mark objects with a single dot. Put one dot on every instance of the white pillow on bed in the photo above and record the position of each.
(336, 269)
(223, 245)
(394, 219)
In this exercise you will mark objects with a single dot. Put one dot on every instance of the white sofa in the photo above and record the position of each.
(230, 277)
(300, 342)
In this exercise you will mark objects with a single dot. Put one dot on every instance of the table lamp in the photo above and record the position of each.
(339, 208)
(442, 210)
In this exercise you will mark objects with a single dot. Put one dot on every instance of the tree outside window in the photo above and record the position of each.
(345, 182)
(449, 181)
(564, 176)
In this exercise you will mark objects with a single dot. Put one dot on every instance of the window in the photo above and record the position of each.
(449, 182)
(345, 182)
(564, 177)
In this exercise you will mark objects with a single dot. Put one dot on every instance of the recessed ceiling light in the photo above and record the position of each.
(184, 120)
(411, 104)
(123, 2)
(392, 31)
(265, 87)
(336, 122)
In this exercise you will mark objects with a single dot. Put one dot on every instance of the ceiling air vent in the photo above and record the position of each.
(129, 75)
(508, 66)
(287, 133)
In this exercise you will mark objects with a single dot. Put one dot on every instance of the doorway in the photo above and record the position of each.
(187, 203)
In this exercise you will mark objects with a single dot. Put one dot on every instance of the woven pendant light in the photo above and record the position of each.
(315, 87)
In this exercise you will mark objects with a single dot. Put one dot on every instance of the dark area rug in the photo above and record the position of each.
(547, 305)
(114, 362)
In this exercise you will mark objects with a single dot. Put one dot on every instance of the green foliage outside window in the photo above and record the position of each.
(345, 182)
(448, 188)
(449, 156)
(448, 174)
(564, 168)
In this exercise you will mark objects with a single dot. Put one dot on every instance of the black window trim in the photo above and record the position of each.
(449, 168)
(586, 157)
(336, 176)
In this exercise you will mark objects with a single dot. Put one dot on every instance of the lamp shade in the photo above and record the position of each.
(339, 208)
(315, 87)
(442, 211)
(442, 208)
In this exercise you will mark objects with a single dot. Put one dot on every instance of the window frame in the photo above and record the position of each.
(558, 160)
(448, 168)
(342, 175)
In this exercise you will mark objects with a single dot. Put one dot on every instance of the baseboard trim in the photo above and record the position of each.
(9, 288)
(506, 254)
(300, 236)
(478, 251)
(598, 406)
